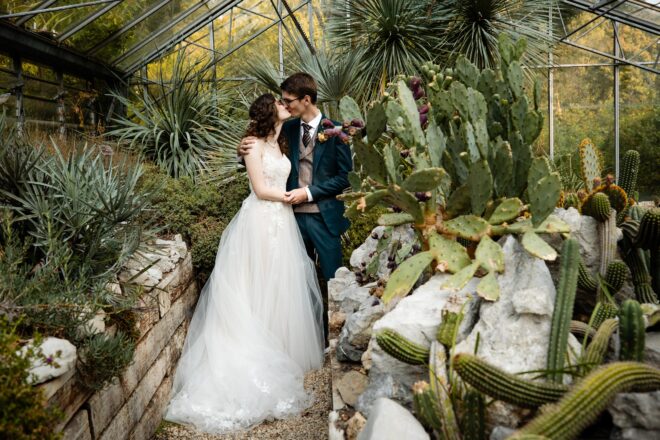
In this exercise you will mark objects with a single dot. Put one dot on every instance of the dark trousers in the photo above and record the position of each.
(319, 241)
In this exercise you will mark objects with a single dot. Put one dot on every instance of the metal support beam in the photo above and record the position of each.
(612, 57)
(617, 97)
(44, 4)
(61, 111)
(84, 22)
(280, 39)
(20, 111)
(127, 27)
(55, 9)
(183, 34)
(30, 45)
(551, 92)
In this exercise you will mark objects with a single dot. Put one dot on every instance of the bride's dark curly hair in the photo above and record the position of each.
(263, 118)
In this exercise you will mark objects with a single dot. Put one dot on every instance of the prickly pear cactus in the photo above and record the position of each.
(451, 153)
(590, 163)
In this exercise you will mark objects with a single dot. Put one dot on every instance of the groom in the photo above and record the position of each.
(319, 173)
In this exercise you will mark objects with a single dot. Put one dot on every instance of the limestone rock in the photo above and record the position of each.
(55, 350)
(343, 279)
(390, 421)
(356, 333)
(351, 385)
(514, 331)
(354, 426)
(416, 317)
(637, 415)
(360, 257)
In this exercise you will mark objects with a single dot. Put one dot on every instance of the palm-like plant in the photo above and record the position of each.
(471, 27)
(390, 37)
(176, 123)
(337, 74)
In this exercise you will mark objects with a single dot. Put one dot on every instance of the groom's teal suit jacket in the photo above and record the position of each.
(332, 163)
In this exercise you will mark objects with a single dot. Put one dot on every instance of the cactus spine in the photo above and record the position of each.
(563, 311)
(401, 348)
(632, 331)
(501, 385)
(581, 406)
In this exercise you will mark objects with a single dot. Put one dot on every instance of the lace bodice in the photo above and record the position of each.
(276, 168)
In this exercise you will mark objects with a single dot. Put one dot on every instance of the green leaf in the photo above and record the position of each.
(536, 246)
(461, 278)
(349, 109)
(405, 276)
(490, 255)
(488, 288)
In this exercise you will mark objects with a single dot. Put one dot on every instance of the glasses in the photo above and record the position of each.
(286, 101)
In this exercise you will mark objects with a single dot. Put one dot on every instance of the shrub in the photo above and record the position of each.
(23, 411)
(205, 236)
(102, 358)
(358, 232)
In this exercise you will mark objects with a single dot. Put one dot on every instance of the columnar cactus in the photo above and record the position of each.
(629, 171)
(463, 172)
(648, 238)
(597, 349)
(582, 405)
(473, 424)
(426, 406)
(401, 348)
(603, 311)
(501, 385)
(615, 275)
(632, 331)
(563, 311)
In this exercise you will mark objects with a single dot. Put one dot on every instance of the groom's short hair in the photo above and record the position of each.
(300, 84)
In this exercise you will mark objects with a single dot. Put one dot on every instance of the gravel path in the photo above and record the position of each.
(310, 425)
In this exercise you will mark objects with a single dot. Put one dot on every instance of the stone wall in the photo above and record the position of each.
(132, 406)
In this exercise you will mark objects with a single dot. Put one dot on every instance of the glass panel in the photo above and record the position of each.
(108, 23)
(16, 6)
(41, 89)
(637, 45)
(641, 11)
(39, 71)
(599, 38)
(165, 37)
(639, 124)
(75, 82)
(583, 104)
(40, 110)
(53, 23)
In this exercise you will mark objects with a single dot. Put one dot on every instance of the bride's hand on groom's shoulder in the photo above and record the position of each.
(247, 143)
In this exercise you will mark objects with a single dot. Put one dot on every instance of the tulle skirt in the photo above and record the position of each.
(257, 327)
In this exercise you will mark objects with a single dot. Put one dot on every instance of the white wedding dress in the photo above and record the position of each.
(257, 327)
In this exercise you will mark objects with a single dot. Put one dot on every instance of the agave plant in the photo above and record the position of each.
(176, 123)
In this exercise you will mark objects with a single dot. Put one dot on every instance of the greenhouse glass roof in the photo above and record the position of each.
(122, 35)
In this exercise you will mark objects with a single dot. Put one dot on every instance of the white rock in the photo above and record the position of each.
(361, 256)
(337, 286)
(390, 421)
(637, 415)
(416, 317)
(353, 296)
(58, 350)
(93, 326)
(334, 433)
(514, 331)
(356, 333)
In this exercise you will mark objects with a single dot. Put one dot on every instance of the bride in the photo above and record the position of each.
(257, 326)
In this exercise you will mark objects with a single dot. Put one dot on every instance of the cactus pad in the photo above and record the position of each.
(590, 163)
(406, 275)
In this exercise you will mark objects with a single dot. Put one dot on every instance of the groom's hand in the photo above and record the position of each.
(296, 196)
(246, 145)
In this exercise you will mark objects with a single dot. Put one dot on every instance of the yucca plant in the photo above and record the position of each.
(389, 37)
(176, 122)
(471, 28)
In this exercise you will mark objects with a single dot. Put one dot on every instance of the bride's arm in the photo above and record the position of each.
(254, 164)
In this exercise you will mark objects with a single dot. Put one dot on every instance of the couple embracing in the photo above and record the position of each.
(260, 322)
